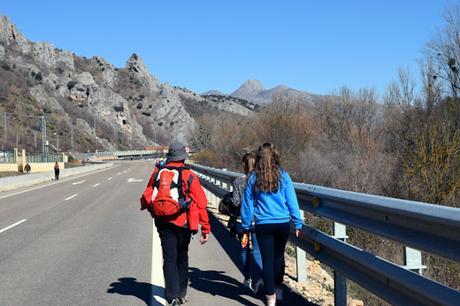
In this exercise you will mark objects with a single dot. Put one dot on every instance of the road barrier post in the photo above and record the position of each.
(340, 282)
(301, 259)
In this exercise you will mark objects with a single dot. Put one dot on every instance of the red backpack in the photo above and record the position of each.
(164, 196)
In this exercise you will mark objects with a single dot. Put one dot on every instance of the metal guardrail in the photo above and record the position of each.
(428, 227)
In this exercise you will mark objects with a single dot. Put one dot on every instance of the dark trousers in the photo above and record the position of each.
(174, 243)
(272, 240)
(56, 175)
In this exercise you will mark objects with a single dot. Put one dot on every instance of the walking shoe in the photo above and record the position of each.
(271, 300)
(258, 285)
(174, 302)
(183, 300)
(279, 294)
(247, 283)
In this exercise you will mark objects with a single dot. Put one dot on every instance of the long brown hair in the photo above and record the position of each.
(267, 168)
(248, 161)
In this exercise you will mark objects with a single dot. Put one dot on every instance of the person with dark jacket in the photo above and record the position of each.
(250, 253)
(270, 200)
(175, 231)
(56, 171)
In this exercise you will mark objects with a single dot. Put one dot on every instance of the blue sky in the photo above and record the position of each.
(317, 46)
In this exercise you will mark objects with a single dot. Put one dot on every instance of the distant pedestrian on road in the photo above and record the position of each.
(56, 171)
(250, 253)
(27, 168)
(176, 200)
(270, 200)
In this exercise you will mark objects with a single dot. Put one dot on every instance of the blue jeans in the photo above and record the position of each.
(251, 258)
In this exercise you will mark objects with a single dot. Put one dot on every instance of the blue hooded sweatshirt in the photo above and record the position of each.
(270, 207)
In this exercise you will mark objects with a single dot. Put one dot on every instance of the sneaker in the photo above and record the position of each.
(258, 286)
(183, 300)
(271, 300)
(279, 294)
(174, 302)
(247, 283)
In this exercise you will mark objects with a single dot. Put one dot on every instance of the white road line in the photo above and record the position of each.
(71, 197)
(79, 182)
(12, 225)
(109, 178)
(118, 173)
(54, 183)
(126, 171)
(157, 279)
(133, 180)
(95, 185)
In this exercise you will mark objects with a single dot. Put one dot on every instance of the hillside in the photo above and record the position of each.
(107, 107)
(253, 91)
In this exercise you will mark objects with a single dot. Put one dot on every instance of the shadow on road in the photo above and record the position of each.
(232, 247)
(217, 283)
(130, 286)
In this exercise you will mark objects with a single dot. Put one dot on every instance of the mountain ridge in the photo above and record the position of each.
(253, 91)
(106, 107)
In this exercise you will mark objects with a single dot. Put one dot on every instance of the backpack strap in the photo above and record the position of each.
(189, 184)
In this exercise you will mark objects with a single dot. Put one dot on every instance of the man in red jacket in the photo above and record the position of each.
(175, 231)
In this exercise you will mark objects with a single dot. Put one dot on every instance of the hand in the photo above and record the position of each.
(298, 233)
(244, 240)
(204, 238)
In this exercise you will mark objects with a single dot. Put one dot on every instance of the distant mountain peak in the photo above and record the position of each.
(253, 91)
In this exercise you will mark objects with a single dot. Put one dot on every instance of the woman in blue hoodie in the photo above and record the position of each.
(270, 201)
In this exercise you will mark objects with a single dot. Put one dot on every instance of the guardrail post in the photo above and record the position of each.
(413, 260)
(340, 282)
(216, 198)
(301, 260)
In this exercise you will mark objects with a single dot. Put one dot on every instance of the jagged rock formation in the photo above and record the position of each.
(129, 107)
(253, 91)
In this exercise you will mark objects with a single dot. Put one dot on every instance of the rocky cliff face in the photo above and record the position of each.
(107, 107)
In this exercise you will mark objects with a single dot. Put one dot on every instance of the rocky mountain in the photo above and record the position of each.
(253, 91)
(102, 106)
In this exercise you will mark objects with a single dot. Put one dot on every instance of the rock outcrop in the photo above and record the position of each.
(107, 107)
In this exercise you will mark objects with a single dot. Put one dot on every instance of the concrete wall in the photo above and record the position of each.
(8, 167)
(21, 161)
(43, 167)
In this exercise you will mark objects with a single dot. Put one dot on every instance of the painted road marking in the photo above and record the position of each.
(71, 197)
(12, 225)
(157, 279)
(79, 182)
(95, 185)
(133, 180)
(118, 173)
(109, 178)
(126, 171)
(54, 183)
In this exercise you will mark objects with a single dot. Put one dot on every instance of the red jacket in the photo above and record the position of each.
(197, 213)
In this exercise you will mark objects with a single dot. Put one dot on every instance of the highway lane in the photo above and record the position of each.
(70, 252)
(95, 248)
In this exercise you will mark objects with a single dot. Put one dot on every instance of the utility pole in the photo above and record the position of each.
(43, 130)
(57, 142)
(35, 141)
(94, 127)
(5, 129)
(71, 135)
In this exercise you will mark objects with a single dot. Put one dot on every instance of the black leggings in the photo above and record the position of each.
(272, 240)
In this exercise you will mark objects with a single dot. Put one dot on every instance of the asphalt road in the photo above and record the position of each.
(84, 241)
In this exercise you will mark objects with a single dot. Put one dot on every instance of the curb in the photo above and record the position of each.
(15, 182)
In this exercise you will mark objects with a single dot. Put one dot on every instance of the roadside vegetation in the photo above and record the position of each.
(404, 143)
